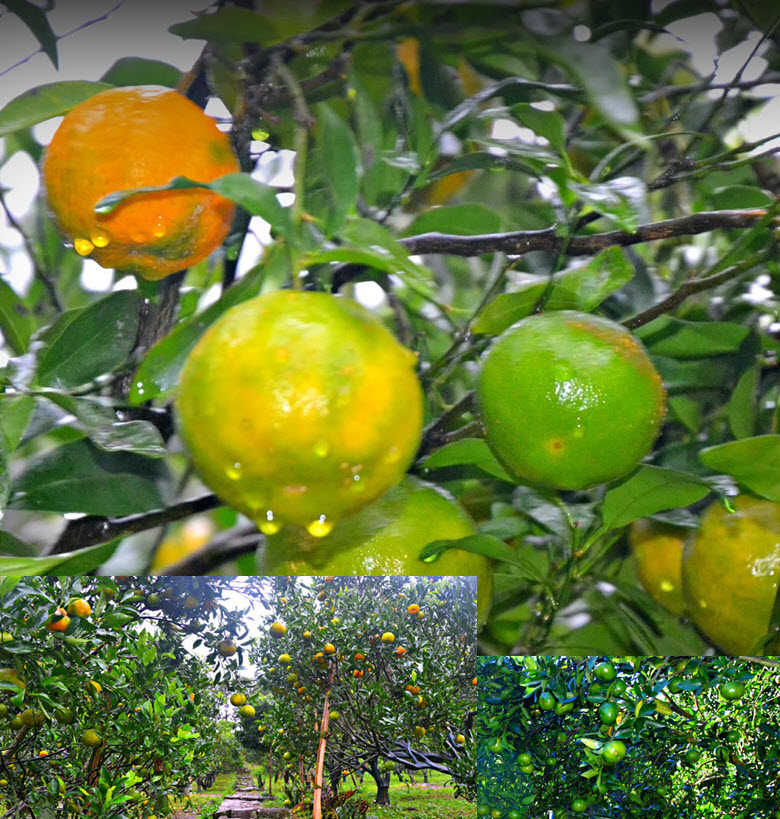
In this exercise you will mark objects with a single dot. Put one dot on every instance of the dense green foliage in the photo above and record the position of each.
(692, 737)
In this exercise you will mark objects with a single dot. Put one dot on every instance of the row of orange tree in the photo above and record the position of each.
(105, 711)
(628, 737)
(365, 674)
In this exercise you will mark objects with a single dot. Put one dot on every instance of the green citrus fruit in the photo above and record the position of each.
(579, 805)
(300, 408)
(385, 539)
(551, 390)
(692, 756)
(246, 711)
(32, 717)
(732, 690)
(613, 752)
(238, 699)
(605, 672)
(546, 701)
(658, 550)
(608, 713)
(524, 759)
(731, 571)
(91, 739)
(64, 716)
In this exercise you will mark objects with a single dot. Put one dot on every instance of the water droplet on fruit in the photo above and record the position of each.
(159, 231)
(357, 484)
(99, 238)
(320, 527)
(83, 246)
(234, 471)
(139, 388)
(268, 525)
(321, 449)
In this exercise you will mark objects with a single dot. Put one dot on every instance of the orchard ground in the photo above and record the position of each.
(114, 692)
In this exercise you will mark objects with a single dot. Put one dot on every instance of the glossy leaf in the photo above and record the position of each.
(462, 220)
(649, 490)
(142, 71)
(752, 462)
(683, 339)
(79, 477)
(16, 324)
(44, 102)
(83, 561)
(36, 20)
(471, 452)
(85, 344)
(578, 288)
(339, 155)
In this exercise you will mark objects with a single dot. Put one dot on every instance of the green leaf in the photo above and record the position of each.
(599, 73)
(15, 414)
(69, 563)
(743, 405)
(339, 156)
(44, 102)
(462, 220)
(93, 342)
(622, 200)
(753, 462)
(100, 424)
(471, 452)
(36, 20)
(547, 124)
(485, 545)
(11, 545)
(235, 25)
(739, 196)
(577, 288)
(142, 71)
(682, 339)
(79, 477)
(5, 474)
(16, 323)
(158, 375)
(649, 490)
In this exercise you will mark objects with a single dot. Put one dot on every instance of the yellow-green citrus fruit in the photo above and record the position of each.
(136, 137)
(658, 551)
(731, 571)
(91, 739)
(569, 400)
(238, 699)
(386, 539)
(300, 408)
(278, 630)
(247, 711)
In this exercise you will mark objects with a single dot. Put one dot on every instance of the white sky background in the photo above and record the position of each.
(140, 28)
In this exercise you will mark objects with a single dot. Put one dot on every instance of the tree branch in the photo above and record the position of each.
(525, 241)
(90, 530)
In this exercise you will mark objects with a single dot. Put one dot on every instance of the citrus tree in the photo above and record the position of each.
(367, 673)
(103, 710)
(628, 736)
(521, 252)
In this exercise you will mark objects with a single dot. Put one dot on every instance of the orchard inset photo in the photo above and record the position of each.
(337, 287)
(130, 697)
(624, 737)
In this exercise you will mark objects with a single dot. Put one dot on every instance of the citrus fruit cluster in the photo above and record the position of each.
(569, 400)
(127, 138)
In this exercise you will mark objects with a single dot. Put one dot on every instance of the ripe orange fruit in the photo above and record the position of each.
(127, 138)
(277, 630)
(386, 539)
(658, 551)
(413, 609)
(329, 648)
(300, 407)
(357, 673)
(79, 608)
(569, 400)
(399, 652)
(59, 621)
(730, 573)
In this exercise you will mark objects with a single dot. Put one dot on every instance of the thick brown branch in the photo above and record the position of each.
(525, 241)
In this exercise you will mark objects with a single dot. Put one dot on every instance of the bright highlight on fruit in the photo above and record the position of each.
(569, 400)
(731, 571)
(386, 538)
(318, 406)
(136, 137)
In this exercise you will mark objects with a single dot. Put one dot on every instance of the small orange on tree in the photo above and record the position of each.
(59, 621)
(136, 137)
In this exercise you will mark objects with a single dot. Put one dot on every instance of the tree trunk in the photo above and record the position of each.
(335, 781)
(382, 780)
(425, 775)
